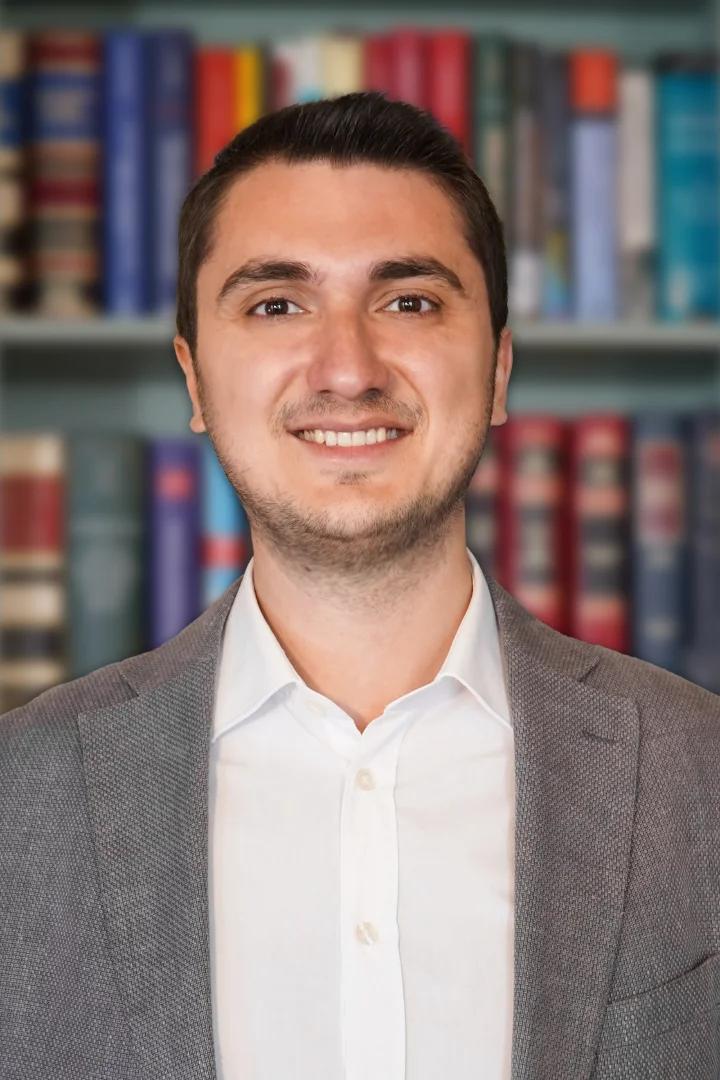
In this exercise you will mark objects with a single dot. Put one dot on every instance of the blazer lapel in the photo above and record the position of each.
(576, 757)
(146, 768)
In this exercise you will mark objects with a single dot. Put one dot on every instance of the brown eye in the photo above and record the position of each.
(275, 304)
(414, 300)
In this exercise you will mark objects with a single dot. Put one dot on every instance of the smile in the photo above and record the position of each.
(369, 437)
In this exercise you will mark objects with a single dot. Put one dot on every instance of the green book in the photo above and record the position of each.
(105, 550)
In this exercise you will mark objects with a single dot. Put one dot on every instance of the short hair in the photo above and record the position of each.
(363, 127)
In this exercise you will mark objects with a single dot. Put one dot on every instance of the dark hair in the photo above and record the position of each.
(359, 127)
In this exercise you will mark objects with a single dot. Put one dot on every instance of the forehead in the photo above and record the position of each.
(349, 210)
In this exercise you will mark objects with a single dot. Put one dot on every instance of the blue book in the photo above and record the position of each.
(225, 529)
(593, 158)
(170, 123)
(703, 666)
(174, 536)
(688, 182)
(125, 145)
(659, 539)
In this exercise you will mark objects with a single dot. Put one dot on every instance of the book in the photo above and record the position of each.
(688, 182)
(173, 468)
(225, 533)
(532, 510)
(491, 109)
(13, 260)
(593, 157)
(659, 520)
(524, 212)
(126, 255)
(215, 103)
(33, 598)
(599, 529)
(636, 193)
(448, 83)
(554, 183)
(106, 549)
(64, 200)
(703, 654)
(169, 103)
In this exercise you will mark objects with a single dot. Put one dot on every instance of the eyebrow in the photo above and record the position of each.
(259, 270)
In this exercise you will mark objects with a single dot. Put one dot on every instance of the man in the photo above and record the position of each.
(366, 817)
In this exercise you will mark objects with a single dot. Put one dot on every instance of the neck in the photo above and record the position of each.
(360, 643)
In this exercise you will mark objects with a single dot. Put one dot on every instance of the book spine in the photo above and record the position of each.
(525, 263)
(341, 64)
(13, 263)
(173, 467)
(126, 255)
(249, 65)
(593, 155)
(170, 150)
(481, 511)
(33, 652)
(689, 209)
(106, 550)
(556, 300)
(599, 531)
(377, 74)
(215, 104)
(408, 65)
(636, 193)
(307, 69)
(703, 660)
(659, 539)
(448, 75)
(225, 542)
(491, 121)
(64, 174)
(532, 510)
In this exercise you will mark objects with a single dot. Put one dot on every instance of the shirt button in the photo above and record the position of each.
(366, 933)
(365, 780)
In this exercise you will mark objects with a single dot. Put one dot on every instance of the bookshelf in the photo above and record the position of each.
(119, 375)
(563, 365)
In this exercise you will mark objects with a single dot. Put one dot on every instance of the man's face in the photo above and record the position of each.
(341, 347)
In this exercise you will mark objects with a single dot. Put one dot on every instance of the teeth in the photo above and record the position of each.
(349, 438)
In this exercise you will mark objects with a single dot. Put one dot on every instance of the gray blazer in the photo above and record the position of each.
(104, 957)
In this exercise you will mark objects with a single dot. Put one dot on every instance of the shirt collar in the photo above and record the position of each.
(254, 667)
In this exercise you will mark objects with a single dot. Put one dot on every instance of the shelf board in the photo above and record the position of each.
(157, 331)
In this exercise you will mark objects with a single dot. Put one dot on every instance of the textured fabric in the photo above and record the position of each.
(361, 884)
(104, 952)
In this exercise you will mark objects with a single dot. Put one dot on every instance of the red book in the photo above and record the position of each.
(408, 66)
(448, 82)
(377, 63)
(599, 529)
(33, 645)
(532, 505)
(214, 104)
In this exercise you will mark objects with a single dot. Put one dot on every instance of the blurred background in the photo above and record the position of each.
(596, 129)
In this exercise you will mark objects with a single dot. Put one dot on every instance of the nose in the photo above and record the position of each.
(346, 362)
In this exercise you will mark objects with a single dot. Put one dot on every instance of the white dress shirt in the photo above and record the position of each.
(361, 884)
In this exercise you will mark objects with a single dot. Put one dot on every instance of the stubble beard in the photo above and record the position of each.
(408, 534)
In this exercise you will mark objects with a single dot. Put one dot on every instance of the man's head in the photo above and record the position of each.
(342, 267)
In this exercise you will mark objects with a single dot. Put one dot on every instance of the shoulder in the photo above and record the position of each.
(664, 699)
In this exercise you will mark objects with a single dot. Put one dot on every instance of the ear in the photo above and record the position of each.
(502, 377)
(184, 358)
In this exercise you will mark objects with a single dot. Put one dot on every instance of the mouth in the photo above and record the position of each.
(349, 445)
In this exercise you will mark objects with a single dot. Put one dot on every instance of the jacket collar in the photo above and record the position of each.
(576, 750)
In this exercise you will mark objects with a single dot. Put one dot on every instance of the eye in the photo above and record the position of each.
(275, 302)
(435, 306)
